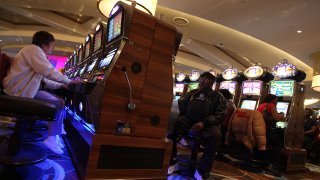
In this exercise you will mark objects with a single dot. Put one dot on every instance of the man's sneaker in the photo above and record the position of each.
(197, 175)
(59, 142)
(183, 142)
(52, 146)
(173, 168)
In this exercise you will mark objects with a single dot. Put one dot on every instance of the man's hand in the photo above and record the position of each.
(198, 126)
(75, 81)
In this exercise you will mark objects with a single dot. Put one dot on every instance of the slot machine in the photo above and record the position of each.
(229, 75)
(97, 48)
(253, 90)
(180, 85)
(291, 95)
(87, 50)
(128, 100)
(193, 77)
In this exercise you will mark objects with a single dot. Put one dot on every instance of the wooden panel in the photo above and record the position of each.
(295, 129)
(126, 141)
(157, 92)
(142, 29)
(116, 95)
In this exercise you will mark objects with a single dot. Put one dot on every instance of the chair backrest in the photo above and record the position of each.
(5, 63)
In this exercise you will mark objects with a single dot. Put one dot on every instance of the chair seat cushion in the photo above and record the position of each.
(28, 108)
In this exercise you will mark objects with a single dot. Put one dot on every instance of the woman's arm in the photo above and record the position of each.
(275, 114)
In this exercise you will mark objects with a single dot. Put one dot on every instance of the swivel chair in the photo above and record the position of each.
(25, 110)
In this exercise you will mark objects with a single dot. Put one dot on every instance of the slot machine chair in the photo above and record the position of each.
(25, 110)
(247, 132)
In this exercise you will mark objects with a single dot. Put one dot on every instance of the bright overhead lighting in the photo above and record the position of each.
(299, 31)
(105, 6)
(310, 101)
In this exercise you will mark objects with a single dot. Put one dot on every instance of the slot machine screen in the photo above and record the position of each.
(74, 61)
(251, 88)
(282, 88)
(107, 59)
(80, 55)
(115, 26)
(283, 107)
(91, 65)
(82, 69)
(87, 49)
(97, 40)
(193, 85)
(230, 85)
(248, 104)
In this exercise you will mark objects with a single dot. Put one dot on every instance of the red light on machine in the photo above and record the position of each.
(100, 77)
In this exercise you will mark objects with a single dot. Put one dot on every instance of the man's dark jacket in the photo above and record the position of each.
(218, 107)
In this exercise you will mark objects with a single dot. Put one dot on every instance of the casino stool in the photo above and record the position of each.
(189, 162)
(25, 110)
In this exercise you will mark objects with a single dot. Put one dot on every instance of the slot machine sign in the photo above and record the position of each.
(253, 72)
(180, 77)
(284, 70)
(195, 75)
(229, 74)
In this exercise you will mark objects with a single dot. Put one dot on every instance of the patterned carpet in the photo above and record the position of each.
(56, 167)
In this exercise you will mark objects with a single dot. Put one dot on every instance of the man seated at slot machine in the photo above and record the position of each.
(29, 68)
(275, 136)
(201, 113)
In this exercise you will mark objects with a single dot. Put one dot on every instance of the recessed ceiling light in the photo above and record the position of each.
(180, 21)
(299, 31)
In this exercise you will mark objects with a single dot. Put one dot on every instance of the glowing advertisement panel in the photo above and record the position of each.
(192, 86)
(230, 85)
(252, 88)
(282, 88)
(179, 88)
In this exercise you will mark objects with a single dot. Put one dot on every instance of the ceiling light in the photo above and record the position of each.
(0, 40)
(310, 101)
(299, 31)
(147, 6)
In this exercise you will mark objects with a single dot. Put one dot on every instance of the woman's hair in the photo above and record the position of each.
(269, 98)
(226, 93)
(42, 38)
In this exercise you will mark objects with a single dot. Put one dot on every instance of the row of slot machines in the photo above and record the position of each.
(248, 92)
(118, 115)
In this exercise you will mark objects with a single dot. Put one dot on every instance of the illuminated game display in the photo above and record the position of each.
(283, 107)
(97, 41)
(87, 46)
(252, 88)
(249, 104)
(80, 54)
(282, 88)
(107, 60)
(91, 65)
(193, 85)
(230, 85)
